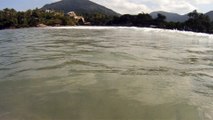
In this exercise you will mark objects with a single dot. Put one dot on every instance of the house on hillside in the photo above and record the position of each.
(80, 19)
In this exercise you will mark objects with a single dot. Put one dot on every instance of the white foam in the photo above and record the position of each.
(82, 27)
(135, 28)
(177, 31)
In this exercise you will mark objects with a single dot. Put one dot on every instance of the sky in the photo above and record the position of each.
(125, 6)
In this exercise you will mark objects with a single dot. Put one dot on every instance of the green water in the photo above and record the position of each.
(97, 73)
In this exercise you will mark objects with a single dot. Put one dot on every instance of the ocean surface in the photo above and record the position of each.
(105, 73)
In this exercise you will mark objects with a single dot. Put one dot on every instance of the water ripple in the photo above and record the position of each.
(141, 73)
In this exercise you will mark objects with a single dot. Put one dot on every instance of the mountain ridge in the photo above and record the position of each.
(80, 7)
(210, 14)
(89, 7)
(175, 17)
(170, 16)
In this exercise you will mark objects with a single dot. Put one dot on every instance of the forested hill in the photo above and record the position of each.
(210, 14)
(175, 17)
(170, 17)
(80, 7)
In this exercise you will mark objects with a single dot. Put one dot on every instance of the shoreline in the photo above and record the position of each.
(146, 29)
(116, 27)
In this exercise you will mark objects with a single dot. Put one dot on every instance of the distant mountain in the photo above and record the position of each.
(170, 17)
(174, 17)
(210, 14)
(80, 7)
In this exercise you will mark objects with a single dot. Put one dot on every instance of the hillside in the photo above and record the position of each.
(80, 7)
(170, 17)
(210, 14)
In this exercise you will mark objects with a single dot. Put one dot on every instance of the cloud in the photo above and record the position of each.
(201, 1)
(124, 6)
(137, 6)
(178, 6)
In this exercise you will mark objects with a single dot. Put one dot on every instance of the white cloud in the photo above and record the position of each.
(137, 6)
(124, 6)
(178, 6)
(201, 1)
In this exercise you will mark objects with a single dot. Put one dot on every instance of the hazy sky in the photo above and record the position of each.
(125, 6)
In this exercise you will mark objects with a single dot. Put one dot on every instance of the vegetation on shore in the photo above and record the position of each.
(197, 22)
(98, 19)
(10, 18)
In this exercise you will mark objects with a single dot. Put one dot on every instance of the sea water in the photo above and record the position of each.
(105, 73)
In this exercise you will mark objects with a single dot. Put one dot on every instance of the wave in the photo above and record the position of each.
(145, 29)
(83, 27)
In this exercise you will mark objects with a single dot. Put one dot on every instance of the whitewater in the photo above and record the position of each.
(145, 29)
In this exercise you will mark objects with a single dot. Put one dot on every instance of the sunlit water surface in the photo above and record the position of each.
(98, 73)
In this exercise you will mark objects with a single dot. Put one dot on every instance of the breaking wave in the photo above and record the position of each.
(145, 29)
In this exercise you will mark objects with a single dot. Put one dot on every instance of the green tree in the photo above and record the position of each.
(160, 21)
(198, 22)
(142, 20)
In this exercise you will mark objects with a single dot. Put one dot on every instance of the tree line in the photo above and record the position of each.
(197, 22)
(10, 18)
